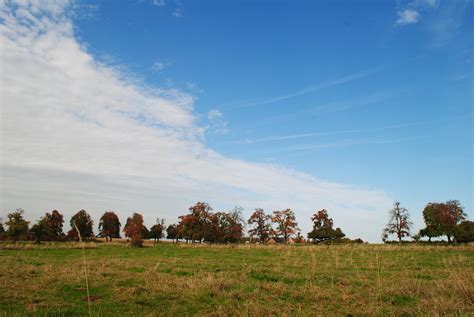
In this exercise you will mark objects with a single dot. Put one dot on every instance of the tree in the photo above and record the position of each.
(323, 228)
(285, 221)
(40, 230)
(172, 232)
(399, 222)
(49, 227)
(156, 231)
(442, 219)
(260, 225)
(464, 232)
(134, 229)
(82, 223)
(2, 230)
(429, 232)
(17, 225)
(195, 225)
(451, 215)
(54, 225)
(233, 225)
(109, 225)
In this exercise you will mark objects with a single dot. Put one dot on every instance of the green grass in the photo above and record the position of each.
(177, 280)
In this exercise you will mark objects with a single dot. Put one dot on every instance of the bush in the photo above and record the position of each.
(464, 232)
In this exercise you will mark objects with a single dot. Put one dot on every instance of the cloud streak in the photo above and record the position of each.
(306, 90)
(80, 134)
(349, 131)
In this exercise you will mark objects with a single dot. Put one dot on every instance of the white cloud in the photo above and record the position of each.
(408, 16)
(159, 3)
(217, 124)
(160, 66)
(214, 114)
(80, 134)
(178, 12)
(423, 3)
(410, 12)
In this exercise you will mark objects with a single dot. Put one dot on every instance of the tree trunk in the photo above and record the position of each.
(449, 238)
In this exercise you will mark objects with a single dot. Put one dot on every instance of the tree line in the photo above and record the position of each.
(441, 219)
(201, 224)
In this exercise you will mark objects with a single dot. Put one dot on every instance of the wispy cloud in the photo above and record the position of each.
(335, 106)
(178, 11)
(349, 131)
(408, 16)
(448, 20)
(410, 12)
(217, 124)
(159, 3)
(193, 87)
(160, 66)
(77, 133)
(307, 90)
(303, 147)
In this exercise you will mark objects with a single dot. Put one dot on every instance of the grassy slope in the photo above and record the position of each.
(240, 280)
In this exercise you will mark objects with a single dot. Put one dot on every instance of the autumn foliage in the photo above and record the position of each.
(260, 225)
(201, 224)
(134, 230)
(323, 228)
(83, 222)
(286, 225)
(109, 225)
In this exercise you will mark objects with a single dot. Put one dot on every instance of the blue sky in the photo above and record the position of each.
(373, 96)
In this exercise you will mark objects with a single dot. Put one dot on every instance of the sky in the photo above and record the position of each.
(150, 106)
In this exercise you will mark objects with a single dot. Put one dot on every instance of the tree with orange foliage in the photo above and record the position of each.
(194, 226)
(83, 223)
(260, 225)
(286, 224)
(134, 229)
(109, 225)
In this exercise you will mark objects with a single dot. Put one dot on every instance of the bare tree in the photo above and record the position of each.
(399, 223)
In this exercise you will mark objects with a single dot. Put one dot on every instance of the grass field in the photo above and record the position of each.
(254, 280)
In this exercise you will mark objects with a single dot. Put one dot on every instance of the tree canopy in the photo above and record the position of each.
(442, 219)
(17, 225)
(260, 225)
(109, 225)
(323, 228)
(135, 230)
(286, 225)
(83, 222)
(156, 231)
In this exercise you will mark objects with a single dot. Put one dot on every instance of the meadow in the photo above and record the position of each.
(239, 280)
